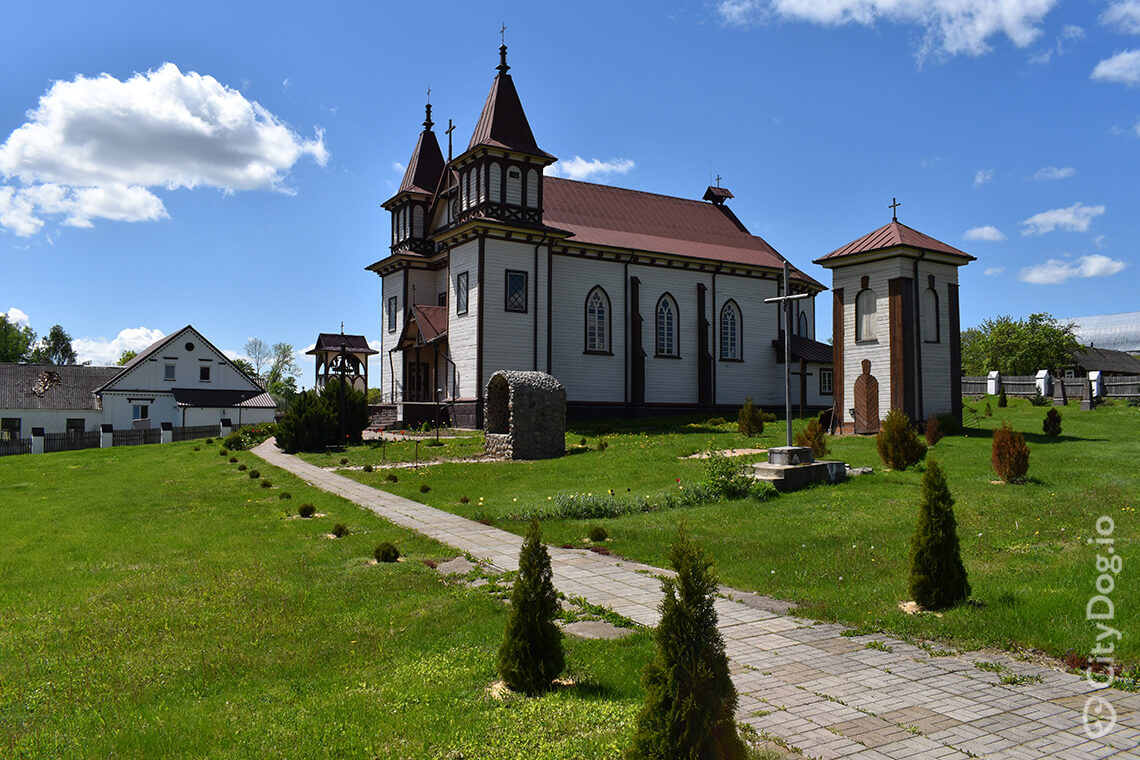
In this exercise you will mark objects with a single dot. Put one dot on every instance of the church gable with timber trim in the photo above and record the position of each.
(635, 301)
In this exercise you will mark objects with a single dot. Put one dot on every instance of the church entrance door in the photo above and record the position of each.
(418, 387)
(866, 401)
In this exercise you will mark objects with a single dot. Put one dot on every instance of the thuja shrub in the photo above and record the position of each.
(223, 453)
(241, 468)
(367, 468)
(1010, 454)
(814, 437)
(386, 552)
(1038, 400)
(306, 511)
(233, 460)
(1003, 400)
(266, 484)
(309, 424)
(690, 700)
(391, 478)
(989, 410)
(284, 495)
(748, 419)
(254, 474)
(597, 533)
(531, 655)
(898, 443)
(932, 430)
(937, 575)
(1052, 423)
(340, 530)
(424, 488)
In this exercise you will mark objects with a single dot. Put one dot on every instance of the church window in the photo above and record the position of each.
(598, 321)
(730, 331)
(482, 191)
(826, 380)
(514, 186)
(865, 315)
(802, 325)
(930, 316)
(516, 291)
(461, 293)
(496, 183)
(418, 222)
(532, 189)
(667, 319)
(392, 314)
(467, 197)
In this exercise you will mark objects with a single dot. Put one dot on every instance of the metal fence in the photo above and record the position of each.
(196, 431)
(135, 437)
(973, 386)
(10, 446)
(72, 441)
(1123, 386)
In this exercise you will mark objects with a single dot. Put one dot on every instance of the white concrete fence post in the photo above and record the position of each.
(106, 435)
(37, 440)
(1044, 383)
(225, 427)
(166, 434)
(993, 383)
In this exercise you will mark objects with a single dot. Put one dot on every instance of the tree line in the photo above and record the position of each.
(20, 344)
(1018, 346)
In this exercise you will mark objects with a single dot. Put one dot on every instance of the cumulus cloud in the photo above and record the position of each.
(1052, 172)
(97, 148)
(1075, 218)
(580, 168)
(398, 167)
(983, 176)
(994, 271)
(1122, 68)
(952, 27)
(17, 317)
(989, 232)
(1056, 271)
(107, 352)
(1124, 14)
(1070, 33)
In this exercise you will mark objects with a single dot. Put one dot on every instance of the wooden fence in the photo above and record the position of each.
(195, 431)
(136, 437)
(10, 446)
(1124, 386)
(973, 386)
(71, 441)
(1022, 386)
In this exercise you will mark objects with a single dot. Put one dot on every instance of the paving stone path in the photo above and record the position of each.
(802, 682)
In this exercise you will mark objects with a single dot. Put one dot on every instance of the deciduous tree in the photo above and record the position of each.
(15, 342)
(1018, 347)
(126, 356)
(55, 348)
(258, 352)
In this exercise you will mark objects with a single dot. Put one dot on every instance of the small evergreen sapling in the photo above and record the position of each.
(1003, 400)
(749, 421)
(898, 443)
(690, 700)
(1010, 454)
(933, 429)
(937, 575)
(1052, 423)
(814, 437)
(531, 656)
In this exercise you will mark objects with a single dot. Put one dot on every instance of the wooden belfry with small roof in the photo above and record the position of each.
(333, 349)
(897, 336)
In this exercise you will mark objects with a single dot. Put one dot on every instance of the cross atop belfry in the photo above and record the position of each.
(894, 209)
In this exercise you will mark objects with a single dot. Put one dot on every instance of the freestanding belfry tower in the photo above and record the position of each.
(897, 336)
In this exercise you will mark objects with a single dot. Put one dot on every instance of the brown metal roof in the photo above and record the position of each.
(356, 344)
(429, 321)
(620, 218)
(891, 235)
(425, 167)
(503, 123)
(804, 348)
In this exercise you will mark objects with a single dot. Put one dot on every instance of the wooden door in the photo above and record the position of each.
(866, 401)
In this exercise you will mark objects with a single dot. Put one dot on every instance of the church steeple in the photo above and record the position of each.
(411, 203)
(503, 122)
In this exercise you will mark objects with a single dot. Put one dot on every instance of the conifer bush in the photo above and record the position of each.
(284, 496)
(233, 460)
(937, 575)
(749, 421)
(266, 484)
(898, 442)
(386, 552)
(306, 511)
(254, 474)
(309, 424)
(597, 533)
(690, 701)
(814, 437)
(1052, 423)
(1003, 400)
(1010, 454)
(933, 430)
(391, 478)
(989, 410)
(340, 530)
(531, 656)
(367, 468)
(241, 468)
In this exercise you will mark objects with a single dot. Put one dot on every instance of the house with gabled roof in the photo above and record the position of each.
(185, 380)
(635, 301)
(59, 399)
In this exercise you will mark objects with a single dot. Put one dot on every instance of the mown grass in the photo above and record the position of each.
(841, 553)
(155, 602)
(378, 453)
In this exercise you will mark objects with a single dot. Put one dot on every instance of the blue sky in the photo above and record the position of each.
(228, 169)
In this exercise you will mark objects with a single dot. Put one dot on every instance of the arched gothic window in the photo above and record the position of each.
(865, 315)
(730, 331)
(667, 320)
(598, 321)
(802, 325)
(930, 316)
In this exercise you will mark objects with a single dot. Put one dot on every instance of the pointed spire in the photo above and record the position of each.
(425, 167)
(503, 122)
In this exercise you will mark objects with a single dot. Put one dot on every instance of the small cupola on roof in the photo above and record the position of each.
(410, 205)
(499, 176)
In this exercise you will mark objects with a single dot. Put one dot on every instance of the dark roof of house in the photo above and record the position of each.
(503, 123)
(632, 219)
(1090, 358)
(47, 386)
(425, 167)
(891, 235)
(804, 348)
(210, 398)
(356, 344)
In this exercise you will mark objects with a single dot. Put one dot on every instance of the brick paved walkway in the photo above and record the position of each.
(822, 693)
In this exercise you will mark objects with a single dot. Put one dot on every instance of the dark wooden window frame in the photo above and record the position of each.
(830, 373)
(204, 374)
(392, 314)
(608, 350)
(507, 291)
(859, 320)
(937, 316)
(462, 293)
(676, 354)
(739, 332)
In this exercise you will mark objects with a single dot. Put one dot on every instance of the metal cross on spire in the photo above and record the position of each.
(429, 94)
(718, 180)
(894, 209)
(786, 302)
(449, 130)
(503, 34)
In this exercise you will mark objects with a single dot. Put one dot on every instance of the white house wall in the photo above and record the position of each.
(508, 336)
(391, 372)
(588, 377)
(936, 369)
(670, 381)
(463, 329)
(758, 375)
(52, 420)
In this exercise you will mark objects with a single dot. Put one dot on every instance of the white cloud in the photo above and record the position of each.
(581, 168)
(95, 148)
(1124, 14)
(994, 271)
(1069, 33)
(1052, 172)
(1076, 218)
(952, 26)
(18, 317)
(398, 167)
(983, 176)
(989, 232)
(107, 352)
(1056, 271)
(1123, 68)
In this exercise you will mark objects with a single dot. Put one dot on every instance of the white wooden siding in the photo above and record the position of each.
(463, 329)
(391, 373)
(531, 188)
(496, 182)
(936, 369)
(514, 185)
(508, 336)
(671, 381)
(587, 377)
(758, 375)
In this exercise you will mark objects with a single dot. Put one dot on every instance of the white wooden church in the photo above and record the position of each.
(635, 301)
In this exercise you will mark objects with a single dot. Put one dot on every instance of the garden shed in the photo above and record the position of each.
(525, 415)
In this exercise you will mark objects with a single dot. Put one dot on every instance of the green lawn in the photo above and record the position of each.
(841, 552)
(155, 602)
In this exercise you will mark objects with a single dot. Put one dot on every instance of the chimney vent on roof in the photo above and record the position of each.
(718, 195)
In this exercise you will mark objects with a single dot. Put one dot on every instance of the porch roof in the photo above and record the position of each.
(428, 324)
